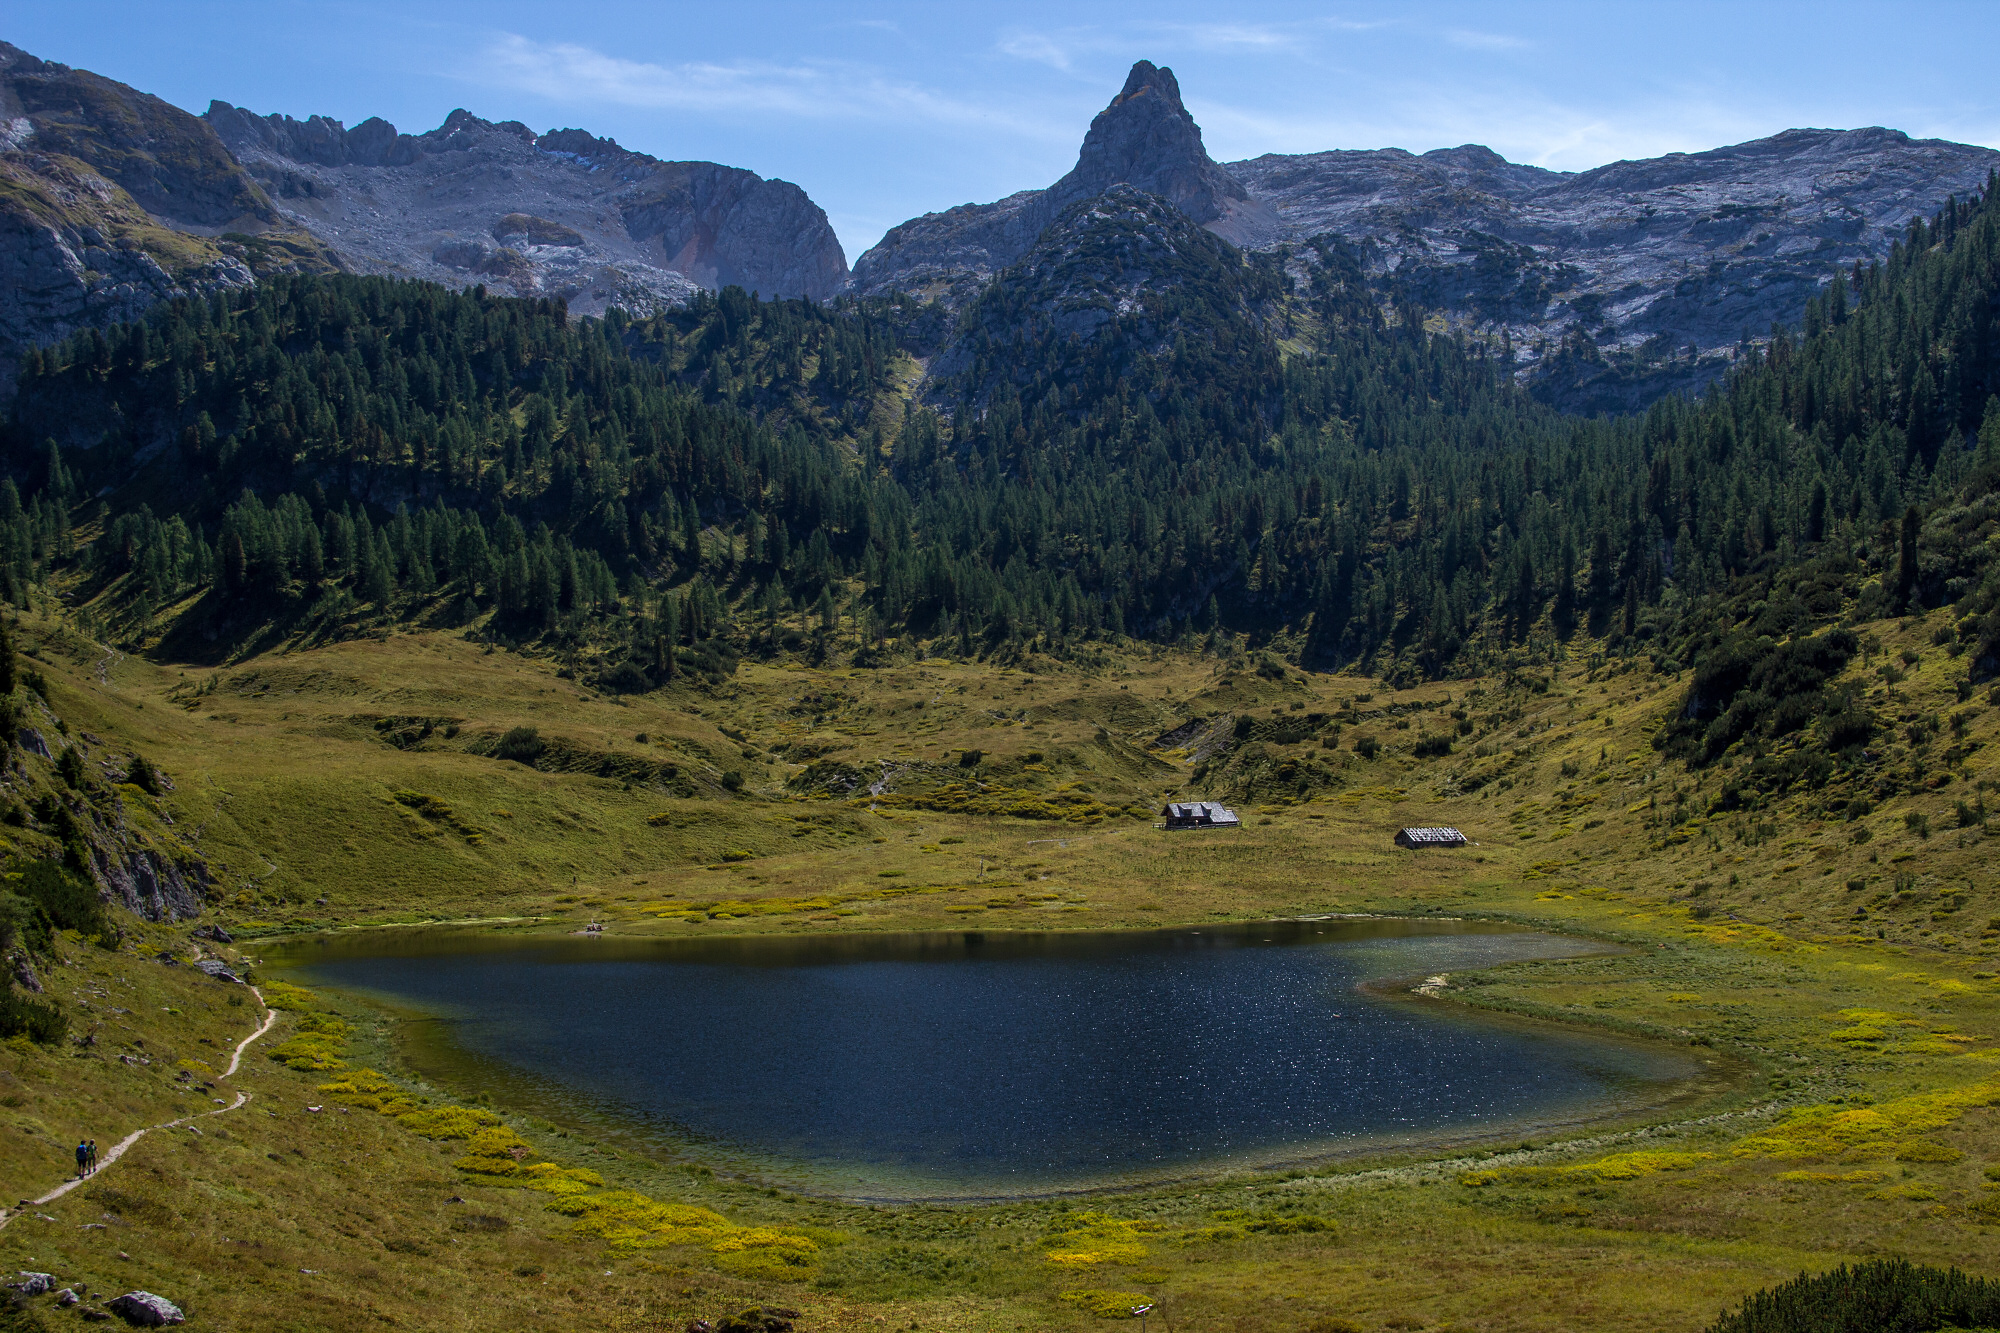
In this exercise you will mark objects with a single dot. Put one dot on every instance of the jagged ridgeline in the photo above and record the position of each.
(1138, 430)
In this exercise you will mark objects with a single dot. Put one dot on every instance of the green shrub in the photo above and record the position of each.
(42, 1020)
(60, 899)
(625, 678)
(1880, 1296)
(1367, 746)
(523, 745)
(141, 774)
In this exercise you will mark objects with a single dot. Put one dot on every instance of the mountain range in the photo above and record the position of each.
(1605, 288)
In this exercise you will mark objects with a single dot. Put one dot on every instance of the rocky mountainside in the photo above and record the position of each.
(1123, 260)
(1609, 287)
(1605, 280)
(1145, 138)
(560, 214)
(111, 199)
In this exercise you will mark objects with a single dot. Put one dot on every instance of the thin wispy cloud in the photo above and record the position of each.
(820, 90)
(1041, 47)
(1065, 48)
(1521, 128)
(1471, 40)
(1229, 36)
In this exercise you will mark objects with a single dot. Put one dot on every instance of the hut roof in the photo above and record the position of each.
(1439, 834)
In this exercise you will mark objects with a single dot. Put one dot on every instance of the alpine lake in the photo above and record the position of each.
(968, 1065)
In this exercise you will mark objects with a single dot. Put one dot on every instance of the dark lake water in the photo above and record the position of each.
(980, 1063)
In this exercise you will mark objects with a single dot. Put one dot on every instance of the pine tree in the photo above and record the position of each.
(1906, 561)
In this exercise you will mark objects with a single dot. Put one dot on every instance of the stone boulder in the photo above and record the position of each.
(34, 1284)
(142, 1309)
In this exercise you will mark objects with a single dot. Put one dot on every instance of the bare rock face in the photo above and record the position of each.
(112, 200)
(147, 883)
(1145, 139)
(564, 214)
(1630, 263)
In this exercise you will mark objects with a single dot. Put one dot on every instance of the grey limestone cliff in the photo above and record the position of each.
(559, 214)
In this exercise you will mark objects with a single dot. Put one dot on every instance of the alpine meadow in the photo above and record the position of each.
(454, 578)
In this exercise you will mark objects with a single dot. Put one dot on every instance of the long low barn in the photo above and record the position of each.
(1430, 837)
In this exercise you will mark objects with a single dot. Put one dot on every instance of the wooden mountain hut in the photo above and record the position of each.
(1199, 814)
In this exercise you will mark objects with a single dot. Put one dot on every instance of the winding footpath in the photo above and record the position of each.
(117, 1150)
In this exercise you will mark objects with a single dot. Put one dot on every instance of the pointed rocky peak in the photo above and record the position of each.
(1147, 138)
(1148, 78)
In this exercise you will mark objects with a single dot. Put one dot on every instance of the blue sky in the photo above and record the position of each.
(883, 111)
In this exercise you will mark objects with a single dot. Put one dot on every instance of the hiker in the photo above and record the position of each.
(82, 1158)
(93, 1157)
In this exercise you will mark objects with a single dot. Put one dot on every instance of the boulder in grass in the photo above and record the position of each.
(142, 1309)
(35, 1284)
(218, 969)
(67, 1297)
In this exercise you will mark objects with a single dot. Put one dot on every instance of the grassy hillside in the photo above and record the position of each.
(1837, 964)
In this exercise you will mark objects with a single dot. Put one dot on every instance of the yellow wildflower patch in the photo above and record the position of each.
(1097, 1238)
(447, 1122)
(497, 1151)
(1830, 1129)
(1621, 1166)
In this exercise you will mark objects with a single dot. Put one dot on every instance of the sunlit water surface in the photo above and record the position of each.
(983, 1063)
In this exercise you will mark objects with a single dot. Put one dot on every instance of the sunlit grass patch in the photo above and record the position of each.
(1106, 1304)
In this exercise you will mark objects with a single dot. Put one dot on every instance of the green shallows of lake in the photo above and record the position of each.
(986, 1063)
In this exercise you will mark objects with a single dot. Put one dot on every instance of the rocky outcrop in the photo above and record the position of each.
(1145, 138)
(564, 214)
(148, 883)
(24, 973)
(112, 200)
